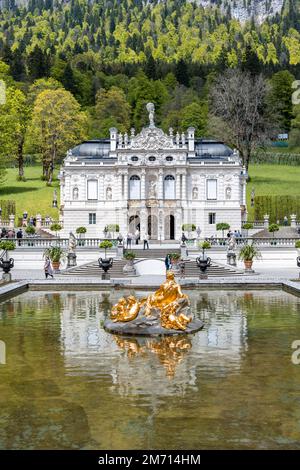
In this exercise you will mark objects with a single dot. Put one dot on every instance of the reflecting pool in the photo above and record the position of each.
(67, 384)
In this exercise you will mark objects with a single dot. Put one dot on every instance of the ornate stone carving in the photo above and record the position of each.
(152, 138)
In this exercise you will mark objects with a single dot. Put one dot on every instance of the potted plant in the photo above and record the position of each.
(56, 255)
(203, 261)
(247, 254)
(55, 228)
(272, 229)
(6, 263)
(222, 226)
(297, 246)
(81, 231)
(129, 267)
(105, 245)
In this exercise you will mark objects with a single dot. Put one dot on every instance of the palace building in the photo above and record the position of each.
(154, 182)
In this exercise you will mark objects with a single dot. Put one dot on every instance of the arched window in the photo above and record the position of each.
(134, 187)
(169, 187)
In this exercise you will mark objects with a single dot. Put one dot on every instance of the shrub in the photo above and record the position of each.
(55, 227)
(112, 228)
(297, 244)
(30, 230)
(247, 226)
(188, 227)
(81, 230)
(276, 206)
(8, 208)
(129, 255)
(7, 245)
(105, 245)
(223, 226)
(205, 245)
(273, 228)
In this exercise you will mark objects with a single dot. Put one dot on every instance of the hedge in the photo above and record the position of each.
(8, 208)
(277, 207)
(292, 159)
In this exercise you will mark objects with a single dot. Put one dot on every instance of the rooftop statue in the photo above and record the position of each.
(151, 110)
(166, 311)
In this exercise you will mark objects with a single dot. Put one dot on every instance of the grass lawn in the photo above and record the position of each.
(272, 180)
(31, 195)
(34, 196)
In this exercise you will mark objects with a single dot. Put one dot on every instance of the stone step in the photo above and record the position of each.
(191, 270)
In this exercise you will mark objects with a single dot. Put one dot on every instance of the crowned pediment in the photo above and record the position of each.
(152, 138)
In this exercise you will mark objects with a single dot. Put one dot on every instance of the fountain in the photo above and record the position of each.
(165, 312)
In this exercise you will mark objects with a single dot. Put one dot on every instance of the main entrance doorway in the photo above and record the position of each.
(170, 227)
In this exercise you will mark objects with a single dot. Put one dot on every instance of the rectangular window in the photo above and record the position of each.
(212, 218)
(92, 190)
(211, 189)
(92, 218)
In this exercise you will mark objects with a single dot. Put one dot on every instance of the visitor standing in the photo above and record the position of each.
(167, 262)
(182, 269)
(146, 241)
(19, 236)
(128, 240)
(48, 268)
(137, 236)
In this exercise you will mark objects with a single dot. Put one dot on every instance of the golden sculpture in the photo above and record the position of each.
(168, 303)
(126, 309)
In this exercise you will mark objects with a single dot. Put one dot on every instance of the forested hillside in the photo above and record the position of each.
(97, 63)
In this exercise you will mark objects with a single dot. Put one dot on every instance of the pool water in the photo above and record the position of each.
(67, 384)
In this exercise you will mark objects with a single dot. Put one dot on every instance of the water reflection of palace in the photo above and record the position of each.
(167, 366)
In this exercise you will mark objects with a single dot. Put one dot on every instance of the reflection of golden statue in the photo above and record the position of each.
(169, 350)
(168, 304)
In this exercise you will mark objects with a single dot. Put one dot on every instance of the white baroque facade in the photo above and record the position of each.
(154, 182)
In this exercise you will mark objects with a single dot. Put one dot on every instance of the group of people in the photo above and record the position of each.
(134, 238)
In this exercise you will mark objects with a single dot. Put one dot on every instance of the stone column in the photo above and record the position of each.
(143, 184)
(120, 195)
(266, 221)
(160, 184)
(293, 221)
(38, 221)
(126, 186)
(178, 195)
(143, 222)
(101, 191)
(12, 221)
(183, 186)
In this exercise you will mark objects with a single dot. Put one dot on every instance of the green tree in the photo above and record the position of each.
(280, 98)
(57, 124)
(14, 118)
(195, 115)
(111, 110)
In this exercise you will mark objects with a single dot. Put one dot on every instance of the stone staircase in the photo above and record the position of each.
(153, 253)
(93, 270)
(191, 269)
